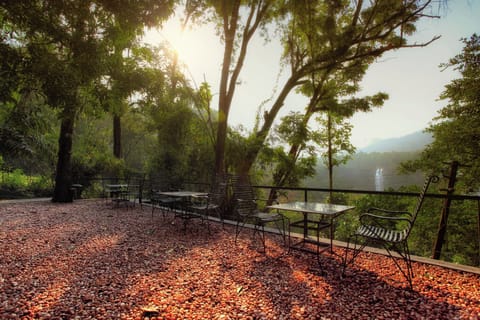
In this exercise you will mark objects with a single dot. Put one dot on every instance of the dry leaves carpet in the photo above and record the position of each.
(88, 261)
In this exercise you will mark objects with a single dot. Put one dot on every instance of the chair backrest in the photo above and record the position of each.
(421, 198)
(244, 196)
(218, 191)
(242, 188)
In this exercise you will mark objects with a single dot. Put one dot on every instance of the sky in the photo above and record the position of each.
(411, 76)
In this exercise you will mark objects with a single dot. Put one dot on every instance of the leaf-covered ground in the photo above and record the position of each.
(88, 261)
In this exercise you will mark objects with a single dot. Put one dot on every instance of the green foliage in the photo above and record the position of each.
(294, 165)
(17, 184)
(462, 239)
(334, 139)
(456, 129)
(26, 126)
(66, 50)
(461, 244)
(15, 180)
(236, 148)
(41, 186)
(174, 115)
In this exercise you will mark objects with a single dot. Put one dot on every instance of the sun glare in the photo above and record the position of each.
(184, 41)
(198, 48)
(181, 43)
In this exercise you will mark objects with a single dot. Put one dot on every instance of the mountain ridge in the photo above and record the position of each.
(415, 141)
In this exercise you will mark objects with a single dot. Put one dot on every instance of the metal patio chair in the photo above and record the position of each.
(160, 201)
(213, 204)
(389, 229)
(247, 211)
(129, 193)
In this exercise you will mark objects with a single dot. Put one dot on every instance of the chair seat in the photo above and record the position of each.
(380, 233)
(267, 217)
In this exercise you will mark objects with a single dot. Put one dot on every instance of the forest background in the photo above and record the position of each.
(82, 97)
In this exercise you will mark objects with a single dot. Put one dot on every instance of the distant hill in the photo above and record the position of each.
(409, 143)
(360, 172)
(386, 154)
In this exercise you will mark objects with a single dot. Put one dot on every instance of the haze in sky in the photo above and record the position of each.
(412, 76)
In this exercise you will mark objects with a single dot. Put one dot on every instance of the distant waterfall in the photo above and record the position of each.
(379, 180)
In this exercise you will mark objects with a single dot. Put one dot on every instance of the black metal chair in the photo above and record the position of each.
(389, 229)
(108, 192)
(212, 204)
(160, 201)
(134, 192)
(247, 211)
(130, 192)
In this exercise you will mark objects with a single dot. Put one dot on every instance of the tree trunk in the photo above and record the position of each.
(269, 117)
(63, 178)
(117, 137)
(223, 105)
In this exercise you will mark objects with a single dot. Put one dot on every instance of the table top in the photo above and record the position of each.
(182, 194)
(312, 207)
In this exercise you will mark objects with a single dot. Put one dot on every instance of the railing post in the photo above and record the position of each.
(442, 226)
(305, 197)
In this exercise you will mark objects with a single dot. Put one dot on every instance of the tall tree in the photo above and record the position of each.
(456, 133)
(174, 113)
(328, 92)
(335, 141)
(236, 32)
(343, 33)
(66, 45)
(297, 163)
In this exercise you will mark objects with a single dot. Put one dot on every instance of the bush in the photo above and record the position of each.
(16, 184)
(15, 180)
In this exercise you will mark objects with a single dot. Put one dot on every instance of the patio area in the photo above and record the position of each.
(87, 260)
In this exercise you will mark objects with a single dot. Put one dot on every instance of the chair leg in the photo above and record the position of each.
(345, 258)
(356, 249)
(405, 256)
(408, 261)
(403, 251)
(237, 229)
(283, 230)
(289, 236)
(219, 215)
(262, 235)
(205, 217)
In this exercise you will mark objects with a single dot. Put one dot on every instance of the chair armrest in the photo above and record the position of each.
(389, 212)
(383, 221)
(364, 216)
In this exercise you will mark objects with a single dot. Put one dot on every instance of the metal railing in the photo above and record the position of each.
(307, 196)
(311, 194)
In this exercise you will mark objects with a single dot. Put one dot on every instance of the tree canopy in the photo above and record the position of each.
(62, 48)
(80, 57)
(455, 131)
(320, 38)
